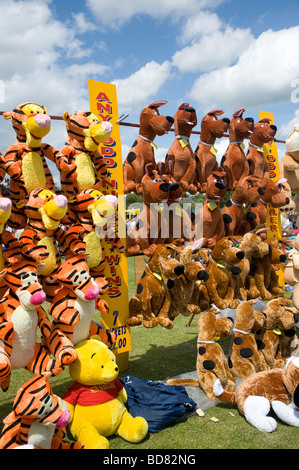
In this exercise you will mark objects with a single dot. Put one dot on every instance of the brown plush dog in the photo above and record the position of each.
(209, 218)
(180, 152)
(182, 288)
(142, 151)
(234, 161)
(151, 302)
(276, 388)
(211, 362)
(280, 317)
(146, 234)
(205, 152)
(264, 272)
(248, 190)
(244, 357)
(219, 289)
(263, 133)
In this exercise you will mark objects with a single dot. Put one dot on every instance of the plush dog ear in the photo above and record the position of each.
(239, 113)
(216, 112)
(149, 168)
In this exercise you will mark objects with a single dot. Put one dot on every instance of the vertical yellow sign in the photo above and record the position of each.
(273, 221)
(103, 103)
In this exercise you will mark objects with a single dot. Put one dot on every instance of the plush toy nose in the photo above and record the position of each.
(240, 254)
(203, 275)
(220, 185)
(287, 200)
(296, 318)
(173, 186)
(170, 119)
(92, 293)
(273, 127)
(64, 419)
(107, 126)
(38, 298)
(226, 120)
(261, 191)
(60, 201)
(179, 269)
(164, 187)
(283, 258)
(189, 110)
(42, 120)
(235, 270)
(5, 204)
(249, 120)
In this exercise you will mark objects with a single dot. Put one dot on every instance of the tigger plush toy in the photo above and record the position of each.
(25, 160)
(84, 134)
(38, 419)
(73, 307)
(21, 315)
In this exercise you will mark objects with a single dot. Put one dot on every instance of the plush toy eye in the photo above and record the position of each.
(214, 119)
(28, 278)
(46, 407)
(154, 180)
(80, 277)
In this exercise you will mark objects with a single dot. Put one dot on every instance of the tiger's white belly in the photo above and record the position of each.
(24, 338)
(86, 311)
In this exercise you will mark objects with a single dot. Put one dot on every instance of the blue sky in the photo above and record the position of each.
(211, 53)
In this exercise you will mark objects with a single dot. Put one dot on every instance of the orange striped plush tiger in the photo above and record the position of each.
(2, 168)
(38, 419)
(74, 305)
(25, 160)
(21, 314)
(84, 134)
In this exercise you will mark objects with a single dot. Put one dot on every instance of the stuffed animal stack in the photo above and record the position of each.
(59, 256)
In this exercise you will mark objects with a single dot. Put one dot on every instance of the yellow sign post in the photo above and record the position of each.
(103, 103)
(273, 214)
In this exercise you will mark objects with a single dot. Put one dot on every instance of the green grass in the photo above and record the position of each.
(158, 354)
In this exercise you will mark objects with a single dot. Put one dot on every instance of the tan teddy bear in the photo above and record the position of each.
(289, 165)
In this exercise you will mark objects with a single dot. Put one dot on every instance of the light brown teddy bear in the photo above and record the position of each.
(151, 302)
(291, 270)
(274, 339)
(276, 388)
(289, 165)
(211, 362)
(244, 357)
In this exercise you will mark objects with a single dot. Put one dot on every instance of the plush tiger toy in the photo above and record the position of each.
(25, 160)
(84, 134)
(2, 168)
(38, 419)
(73, 307)
(21, 315)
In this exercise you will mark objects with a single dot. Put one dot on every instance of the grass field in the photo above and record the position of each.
(158, 354)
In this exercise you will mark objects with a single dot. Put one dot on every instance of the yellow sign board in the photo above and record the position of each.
(103, 103)
(273, 221)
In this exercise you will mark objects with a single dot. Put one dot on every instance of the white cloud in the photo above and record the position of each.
(214, 50)
(287, 128)
(197, 25)
(136, 90)
(115, 13)
(262, 74)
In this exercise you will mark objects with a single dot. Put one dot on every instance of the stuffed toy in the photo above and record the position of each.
(97, 399)
(289, 164)
(291, 270)
(73, 309)
(248, 190)
(244, 356)
(256, 214)
(84, 135)
(151, 303)
(290, 206)
(257, 394)
(146, 235)
(227, 253)
(211, 362)
(262, 134)
(180, 152)
(181, 289)
(38, 419)
(234, 161)
(263, 271)
(2, 168)
(219, 288)
(21, 315)
(280, 317)
(25, 160)
(142, 151)
(209, 222)
(205, 152)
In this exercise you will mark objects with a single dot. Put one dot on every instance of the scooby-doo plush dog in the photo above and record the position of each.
(180, 152)
(248, 190)
(151, 302)
(234, 161)
(205, 152)
(244, 357)
(263, 133)
(209, 222)
(276, 388)
(181, 289)
(211, 362)
(142, 151)
(280, 317)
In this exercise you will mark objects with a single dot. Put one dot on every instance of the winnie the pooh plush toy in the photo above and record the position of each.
(96, 399)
